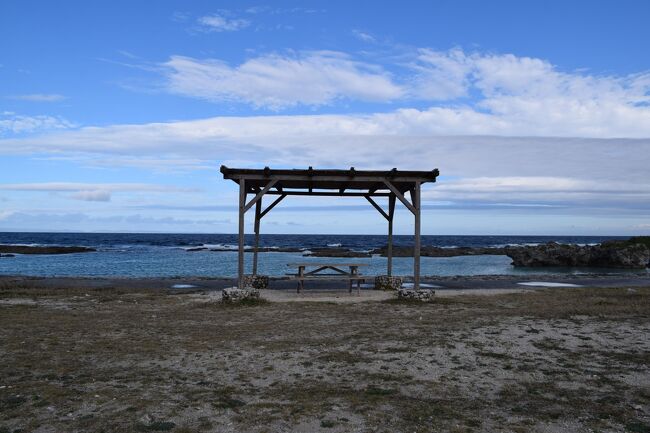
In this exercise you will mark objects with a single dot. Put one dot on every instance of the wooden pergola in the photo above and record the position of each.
(393, 184)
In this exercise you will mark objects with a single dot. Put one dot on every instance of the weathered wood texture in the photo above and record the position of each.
(392, 184)
(240, 257)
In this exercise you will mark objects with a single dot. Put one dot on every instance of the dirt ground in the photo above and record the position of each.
(555, 360)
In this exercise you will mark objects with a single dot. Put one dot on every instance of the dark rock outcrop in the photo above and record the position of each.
(274, 250)
(607, 255)
(247, 249)
(25, 249)
(336, 252)
(430, 251)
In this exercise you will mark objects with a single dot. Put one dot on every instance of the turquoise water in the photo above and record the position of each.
(170, 262)
(165, 255)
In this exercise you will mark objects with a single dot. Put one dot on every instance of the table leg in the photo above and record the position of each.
(301, 276)
(353, 273)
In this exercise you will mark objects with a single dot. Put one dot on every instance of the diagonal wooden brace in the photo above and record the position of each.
(260, 194)
(376, 206)
(400, 196)
(272, 205)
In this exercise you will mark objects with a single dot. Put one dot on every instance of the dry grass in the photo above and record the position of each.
(106, 360)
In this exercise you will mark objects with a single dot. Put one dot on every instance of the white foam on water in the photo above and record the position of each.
(183, 286)
(222, 247)
(337, 245)
(410, 285)
(547, 284)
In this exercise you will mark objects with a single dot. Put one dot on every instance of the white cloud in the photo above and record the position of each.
(363, 36)
(544, 190)
(97, 195)
(77, 186)
(39, 97)
(439, 75)
(507, 129)
(34, 220)
(98, 192)
(476, 169)
(405, 138)
(219, 23)
(481, 93)
(12, 123)
(277, 82)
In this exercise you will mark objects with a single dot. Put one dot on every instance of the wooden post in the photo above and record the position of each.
(389, 251)
(242, 204)
(416, 248)
(301, 276)
(258, 211)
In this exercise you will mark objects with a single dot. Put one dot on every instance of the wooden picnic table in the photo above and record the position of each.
(352, 274)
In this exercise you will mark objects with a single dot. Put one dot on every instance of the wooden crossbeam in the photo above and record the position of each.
(400, 196)
(260, 194)
(376, 206)
(328, 193)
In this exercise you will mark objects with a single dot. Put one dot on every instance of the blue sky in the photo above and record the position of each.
(115, 116)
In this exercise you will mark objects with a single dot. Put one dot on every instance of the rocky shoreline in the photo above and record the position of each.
(624, 255)
(10, 250)
(631, 254)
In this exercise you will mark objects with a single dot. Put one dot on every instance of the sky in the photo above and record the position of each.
(116, 115)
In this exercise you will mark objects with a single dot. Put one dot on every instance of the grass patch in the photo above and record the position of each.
(343, 357)
(495, 355)
(228, 402)
(155, 426)
(326, 423)
(637, 426)
(259, 302)
(12, 402)
(374, 390)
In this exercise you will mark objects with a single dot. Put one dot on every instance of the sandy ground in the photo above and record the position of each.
(104, 359)
(478, 282)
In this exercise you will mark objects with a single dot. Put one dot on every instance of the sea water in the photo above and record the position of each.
(167, 255)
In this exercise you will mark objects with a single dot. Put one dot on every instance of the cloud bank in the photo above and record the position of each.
(278, 82)
(99, 192)
(504, 130)
(515, 95)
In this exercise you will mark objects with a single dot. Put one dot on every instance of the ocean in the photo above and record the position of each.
(167, 255)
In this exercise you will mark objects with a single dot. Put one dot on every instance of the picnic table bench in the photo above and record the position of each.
(352, 274)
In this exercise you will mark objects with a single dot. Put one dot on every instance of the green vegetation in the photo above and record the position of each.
(643, 240)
